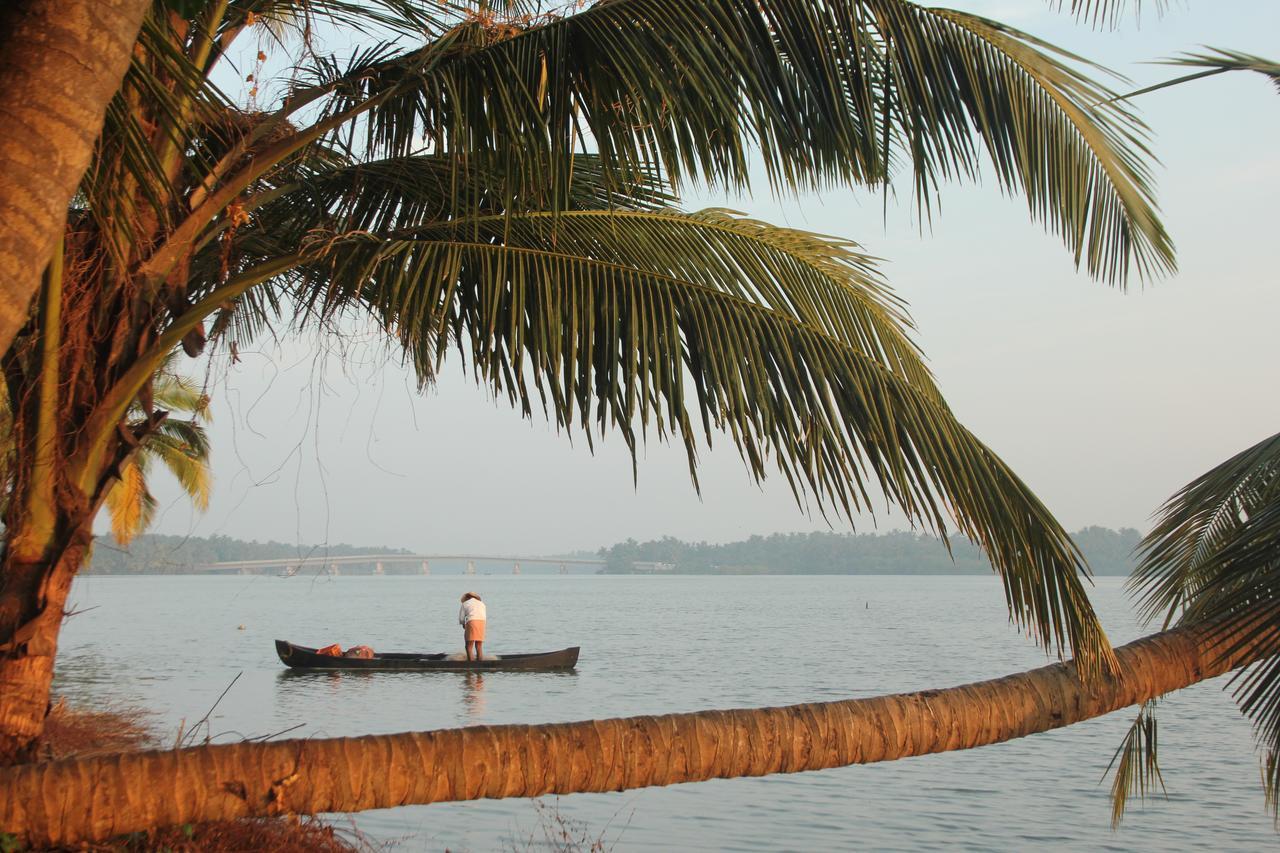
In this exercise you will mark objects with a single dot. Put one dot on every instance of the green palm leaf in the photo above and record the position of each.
(1224, 513)
(183, 448)
(322, 195)
(1031, 108)
(1214, 556)
(397, 193)
(179, 393)
(126, 181)
(398, 17)
(1219, 60)
(1107, 13)
(823, 94)
(180, 445)
(786, 341)
(517, 209)
(1136, 762)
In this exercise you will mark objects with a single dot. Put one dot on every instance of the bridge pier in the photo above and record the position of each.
(516, 570)
(426, 567)
(564, 570)
(377, 569)
(333, 569)
(471, 567)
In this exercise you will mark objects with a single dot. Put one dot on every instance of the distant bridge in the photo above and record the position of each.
(359, 563)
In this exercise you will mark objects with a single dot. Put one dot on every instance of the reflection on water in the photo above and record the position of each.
(473, 696)
(636, 633)
(300, 691)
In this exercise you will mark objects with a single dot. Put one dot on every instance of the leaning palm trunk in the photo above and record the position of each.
(69, 801)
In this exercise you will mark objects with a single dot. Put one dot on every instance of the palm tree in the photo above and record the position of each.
(506, 187)
(1224, 515)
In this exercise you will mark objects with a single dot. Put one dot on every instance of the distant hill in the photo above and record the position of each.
(156, 554)
(1109, 552)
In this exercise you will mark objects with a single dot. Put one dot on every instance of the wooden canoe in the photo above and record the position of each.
(302, 657)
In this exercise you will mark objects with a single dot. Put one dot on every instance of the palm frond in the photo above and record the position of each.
(1031, 107)
(1271, 781)
(1108, 13)
(394, 17)
(826, 94)
(183, 448)
(1136, 763)
(180, 445)
(130, 504)
(1214, 557)
(399, 193)
(1219, 59)
(1181, 565)
(126, 173)
(788, 342)
(520, 252)
(178, 393)
(380, 197)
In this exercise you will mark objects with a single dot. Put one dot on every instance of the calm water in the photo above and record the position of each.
(656, 645)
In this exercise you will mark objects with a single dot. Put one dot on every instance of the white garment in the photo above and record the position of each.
(472, 610)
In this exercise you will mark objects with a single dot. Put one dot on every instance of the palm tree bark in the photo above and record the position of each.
(33, 595)
(61, 62)
(68, 801)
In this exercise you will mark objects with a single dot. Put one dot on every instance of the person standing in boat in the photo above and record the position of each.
(472, 619)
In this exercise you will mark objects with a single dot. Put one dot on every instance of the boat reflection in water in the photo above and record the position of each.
(473, 700)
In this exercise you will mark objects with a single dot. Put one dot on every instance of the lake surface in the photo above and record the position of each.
(654, 645)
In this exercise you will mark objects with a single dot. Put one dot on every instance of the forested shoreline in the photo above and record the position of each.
(155, 554)
(1109, 552)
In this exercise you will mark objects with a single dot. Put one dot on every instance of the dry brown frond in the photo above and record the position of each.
(278, 835)
(78, 732)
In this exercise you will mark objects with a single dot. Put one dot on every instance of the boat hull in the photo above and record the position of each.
(304, 658)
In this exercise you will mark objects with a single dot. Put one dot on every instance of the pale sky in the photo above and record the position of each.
(1104, 402)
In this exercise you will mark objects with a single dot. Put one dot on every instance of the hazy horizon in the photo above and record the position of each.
(1104, 402)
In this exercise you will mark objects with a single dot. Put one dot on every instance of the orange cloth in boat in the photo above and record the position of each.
(358, 652)
(475, 631)
(333, 651)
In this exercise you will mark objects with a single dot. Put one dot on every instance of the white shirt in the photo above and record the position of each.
(472, 611)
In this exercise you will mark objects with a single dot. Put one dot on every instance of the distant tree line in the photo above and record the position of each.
(155, 554)
(1109, 552)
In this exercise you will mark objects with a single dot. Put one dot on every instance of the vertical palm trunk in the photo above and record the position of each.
(63, 370)
(33, 594)
(67, 801)
(48, 523)
(61, 62)
(46, 544)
